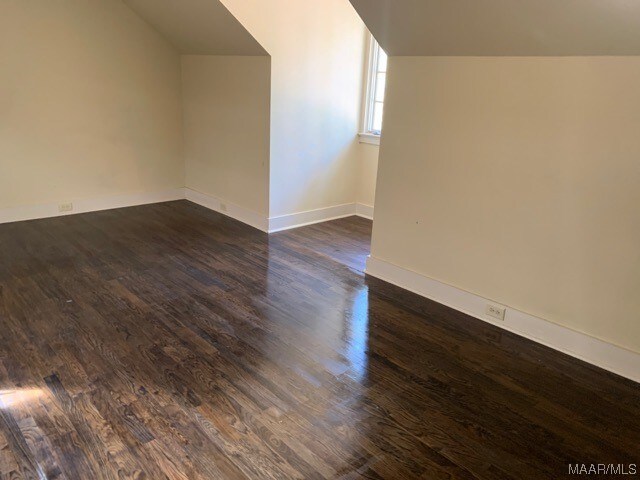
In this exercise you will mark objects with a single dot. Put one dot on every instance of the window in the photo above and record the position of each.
(374, 101)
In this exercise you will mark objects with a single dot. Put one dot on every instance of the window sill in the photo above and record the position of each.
(369, 138)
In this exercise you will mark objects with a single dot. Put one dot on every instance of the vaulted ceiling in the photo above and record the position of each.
(504, 27)
(199, 27)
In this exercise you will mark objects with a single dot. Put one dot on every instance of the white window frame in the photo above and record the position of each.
(369, 135)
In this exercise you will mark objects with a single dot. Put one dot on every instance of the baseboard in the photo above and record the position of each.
(579, 345)
(33, 212)
(295, 220)
(365, 211)
(229, 209)
(244, 215)
(310, 217)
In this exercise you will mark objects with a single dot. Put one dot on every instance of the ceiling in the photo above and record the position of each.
(198, 27)
(504, 27)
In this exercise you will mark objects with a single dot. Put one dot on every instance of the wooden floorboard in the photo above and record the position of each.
(170, 342)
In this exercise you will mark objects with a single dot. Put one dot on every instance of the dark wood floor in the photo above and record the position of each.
(167, 341)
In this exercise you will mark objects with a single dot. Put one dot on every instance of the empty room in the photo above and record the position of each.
(319, 239)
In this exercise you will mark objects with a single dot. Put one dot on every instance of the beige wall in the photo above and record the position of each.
(91, 106)
(518, 179)
(226, 128)
(89, 103)
(317, 49)
(367, 174)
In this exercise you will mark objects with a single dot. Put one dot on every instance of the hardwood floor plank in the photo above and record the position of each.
(170, 342)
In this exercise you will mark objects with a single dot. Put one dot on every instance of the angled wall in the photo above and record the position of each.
(198, 27)
(100, 87)
(226, 78)
(514, 179)
(503, 27)
(317, 48)
(315, 85)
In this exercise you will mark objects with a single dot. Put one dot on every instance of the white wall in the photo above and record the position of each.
(89, 103)
(367, 174)
(226, 128)
(316, 48)
(518, 179)
(92, 109)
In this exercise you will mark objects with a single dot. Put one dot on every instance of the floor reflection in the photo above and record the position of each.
(226, 353)
(358, 334)
(16, 398)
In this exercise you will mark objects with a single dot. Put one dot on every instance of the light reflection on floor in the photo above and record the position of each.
(16, 398)
(359, 334)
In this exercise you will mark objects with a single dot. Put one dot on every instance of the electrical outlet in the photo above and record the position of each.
(496, 311)
(65, 207)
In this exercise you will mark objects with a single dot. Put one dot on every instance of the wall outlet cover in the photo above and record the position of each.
(495, 311)
(65, 207)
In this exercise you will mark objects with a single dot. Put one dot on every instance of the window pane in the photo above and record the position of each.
(377, 117)
(381, 81)
(376, 89)
(382, 60)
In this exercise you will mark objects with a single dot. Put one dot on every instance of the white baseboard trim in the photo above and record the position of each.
(229, 209)
(295, 220)
(244, 215)
(579, 345)
(33, 212)
(310, 217)
(364, 211)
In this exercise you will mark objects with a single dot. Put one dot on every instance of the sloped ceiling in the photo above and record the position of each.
(504, 27)
(198, 27)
